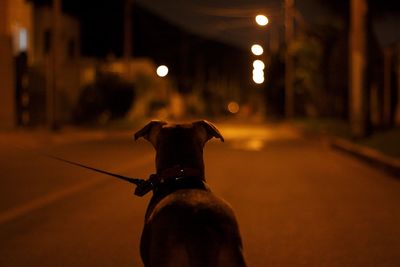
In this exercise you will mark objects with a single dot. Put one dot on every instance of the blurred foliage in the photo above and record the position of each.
(307, 52)
(336, 78)
(109, 97)
(157, 104)
(333, 37)
(143, 83)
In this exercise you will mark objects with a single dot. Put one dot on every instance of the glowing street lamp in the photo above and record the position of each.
(258, 71)
(262, 20)
(162, 71)
(258, 64)
(257, 49)
(258, 79)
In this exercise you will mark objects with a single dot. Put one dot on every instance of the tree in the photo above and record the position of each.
(359, 14)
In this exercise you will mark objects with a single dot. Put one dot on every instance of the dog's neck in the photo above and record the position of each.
(179, 171)
(175, 178)
(172, 178)
(177, 168)
(179, 163)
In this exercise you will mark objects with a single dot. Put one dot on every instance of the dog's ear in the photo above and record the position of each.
(207, 130)
(150, 131)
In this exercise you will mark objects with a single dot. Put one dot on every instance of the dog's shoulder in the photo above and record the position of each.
(193, 202)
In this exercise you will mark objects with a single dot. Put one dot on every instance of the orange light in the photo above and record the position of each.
(233, 107)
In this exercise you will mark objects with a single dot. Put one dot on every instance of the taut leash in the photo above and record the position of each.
(142, 186)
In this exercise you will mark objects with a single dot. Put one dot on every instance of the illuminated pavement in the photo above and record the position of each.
(298, 202)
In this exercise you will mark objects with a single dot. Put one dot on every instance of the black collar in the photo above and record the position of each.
(171, 179)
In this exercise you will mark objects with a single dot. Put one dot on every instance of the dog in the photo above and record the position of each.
(185, 223)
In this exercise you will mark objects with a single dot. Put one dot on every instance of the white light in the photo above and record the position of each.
(162, 71)
(257, 49)
(258, 72)
(262, 20)
(258, 64)
(258, 79)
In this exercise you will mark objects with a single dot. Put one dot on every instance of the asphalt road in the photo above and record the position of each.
(298, 202)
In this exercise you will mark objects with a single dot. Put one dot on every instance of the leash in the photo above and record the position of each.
(142, 186)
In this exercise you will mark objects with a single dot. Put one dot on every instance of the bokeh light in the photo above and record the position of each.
(258, 72)
(162, 71)
(258, 64)
(262, 20)
(233, 107)
(257, 49)
(258, 79)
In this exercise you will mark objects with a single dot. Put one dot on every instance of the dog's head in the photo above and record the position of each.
(179, 144)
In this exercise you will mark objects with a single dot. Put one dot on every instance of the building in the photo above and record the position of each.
(26, 63)
(16, 32)
(67, 81)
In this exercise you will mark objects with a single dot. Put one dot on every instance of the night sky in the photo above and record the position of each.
(230, 21)
(233, 20)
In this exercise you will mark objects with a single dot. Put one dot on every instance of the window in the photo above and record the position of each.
(22, 40)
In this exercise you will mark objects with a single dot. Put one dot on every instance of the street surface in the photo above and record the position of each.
(298, 202)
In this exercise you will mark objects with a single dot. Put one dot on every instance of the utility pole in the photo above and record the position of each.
(289, 64)
(397, 114)
(52, 117)
(387, 85)
(358, 67)
(274, 39)
(128, 30)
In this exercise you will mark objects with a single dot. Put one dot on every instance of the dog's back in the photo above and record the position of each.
(192, 228)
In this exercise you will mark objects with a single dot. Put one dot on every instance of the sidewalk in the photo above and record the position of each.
(39, 137)
(381, 150)
(43, 136)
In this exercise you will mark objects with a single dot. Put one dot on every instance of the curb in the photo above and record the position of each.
(369, 155)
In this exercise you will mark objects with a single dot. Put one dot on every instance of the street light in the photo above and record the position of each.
(162, 71)
(257, 49)
(262, 20)
(258, 71)
(258, 79)
(258, 64)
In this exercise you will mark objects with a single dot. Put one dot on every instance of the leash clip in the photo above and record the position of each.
(145, 186)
